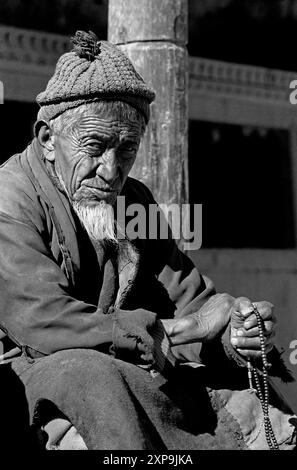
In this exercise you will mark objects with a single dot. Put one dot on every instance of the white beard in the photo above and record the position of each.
(98, 220)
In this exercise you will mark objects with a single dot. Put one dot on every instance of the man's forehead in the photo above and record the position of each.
(98, 121)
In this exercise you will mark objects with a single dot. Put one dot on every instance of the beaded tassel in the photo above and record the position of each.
(263, 395)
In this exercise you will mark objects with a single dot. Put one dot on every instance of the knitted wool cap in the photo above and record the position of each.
(94, 70)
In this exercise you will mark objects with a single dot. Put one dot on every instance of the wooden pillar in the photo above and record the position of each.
(153, 33)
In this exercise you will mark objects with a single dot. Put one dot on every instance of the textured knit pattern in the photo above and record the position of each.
(82, 77)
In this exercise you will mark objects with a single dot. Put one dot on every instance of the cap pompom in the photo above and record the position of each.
(86, 45)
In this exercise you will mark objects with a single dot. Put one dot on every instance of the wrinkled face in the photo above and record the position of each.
(96, 156)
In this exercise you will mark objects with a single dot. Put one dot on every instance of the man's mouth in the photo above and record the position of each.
(96, 191)
(98, 187)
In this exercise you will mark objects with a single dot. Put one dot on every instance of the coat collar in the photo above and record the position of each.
(57, 203)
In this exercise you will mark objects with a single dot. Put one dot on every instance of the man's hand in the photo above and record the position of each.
(244, 330)
(203, 326)
(212, 318)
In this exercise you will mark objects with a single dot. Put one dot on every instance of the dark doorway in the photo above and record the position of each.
(243, 178)
(16, 124)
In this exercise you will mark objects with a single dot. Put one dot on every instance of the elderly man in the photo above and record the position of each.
(104, 332)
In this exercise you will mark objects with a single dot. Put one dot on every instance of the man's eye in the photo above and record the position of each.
(128, 148)
(127, 154)
(93, 145)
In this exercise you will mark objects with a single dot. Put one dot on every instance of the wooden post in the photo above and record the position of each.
(153, 33)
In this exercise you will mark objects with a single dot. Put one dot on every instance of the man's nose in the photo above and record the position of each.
(108, 168)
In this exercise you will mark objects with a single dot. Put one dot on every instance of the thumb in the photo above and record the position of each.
(241, 310)
(244, 306)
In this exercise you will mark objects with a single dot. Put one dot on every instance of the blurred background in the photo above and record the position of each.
(242, 161)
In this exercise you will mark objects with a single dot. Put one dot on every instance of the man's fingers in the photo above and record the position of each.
(268, 330)
(251, 322)
(246, 343)
(266, 311)
(245, 332)
(249, 353)
(249, 343)
(254, 353)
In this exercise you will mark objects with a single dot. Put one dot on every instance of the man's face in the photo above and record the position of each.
(96, 156)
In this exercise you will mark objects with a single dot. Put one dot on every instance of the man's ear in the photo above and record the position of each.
(45, 138)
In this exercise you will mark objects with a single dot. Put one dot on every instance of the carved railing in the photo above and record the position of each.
(248, 81)
(31, 47)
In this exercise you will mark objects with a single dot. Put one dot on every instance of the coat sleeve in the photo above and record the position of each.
(190, 290)
(36, 308)
(186, 287)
